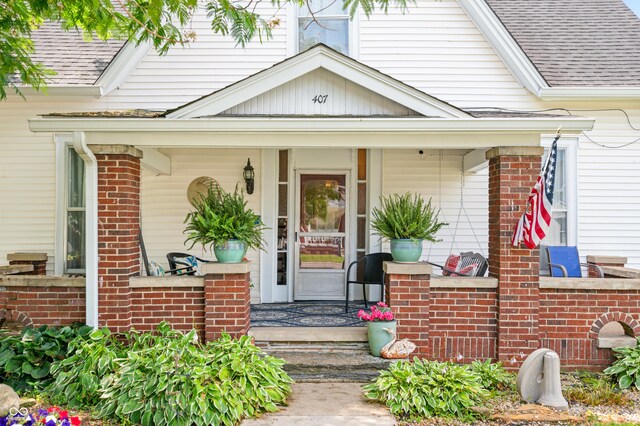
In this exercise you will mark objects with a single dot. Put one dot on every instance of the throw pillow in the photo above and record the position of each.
(467, 271)
(450, 265)
(155, 269)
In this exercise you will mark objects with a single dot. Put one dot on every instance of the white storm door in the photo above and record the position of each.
(321, 243)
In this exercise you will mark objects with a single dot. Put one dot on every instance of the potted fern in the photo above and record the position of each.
(406, 221)
(222, 220)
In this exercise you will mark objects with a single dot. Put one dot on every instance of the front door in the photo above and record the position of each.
(321, 228)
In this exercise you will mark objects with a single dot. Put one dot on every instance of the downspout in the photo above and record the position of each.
(91, 226)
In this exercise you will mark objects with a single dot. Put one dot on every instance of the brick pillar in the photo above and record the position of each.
(118, 229)
(37, 260)
(407, 293)
(226, 299)
(605, 262)
(512, 173)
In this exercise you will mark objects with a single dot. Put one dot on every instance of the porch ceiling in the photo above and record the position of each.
(262, 132)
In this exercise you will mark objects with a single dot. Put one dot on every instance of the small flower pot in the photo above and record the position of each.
(378, 336)
(232, 251)
(406, 251)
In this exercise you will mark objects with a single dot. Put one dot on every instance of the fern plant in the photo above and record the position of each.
(406, 217)
(220, 216)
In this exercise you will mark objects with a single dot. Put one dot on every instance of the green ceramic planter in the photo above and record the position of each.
(406, 251)
(378, 336)
(232, 251)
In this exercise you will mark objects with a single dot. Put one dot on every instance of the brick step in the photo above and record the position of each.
(327, 362)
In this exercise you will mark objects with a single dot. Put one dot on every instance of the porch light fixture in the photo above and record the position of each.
(249, 176)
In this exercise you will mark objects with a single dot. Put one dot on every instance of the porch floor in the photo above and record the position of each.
(306, 314)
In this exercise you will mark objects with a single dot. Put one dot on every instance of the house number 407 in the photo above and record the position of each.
(319, 99)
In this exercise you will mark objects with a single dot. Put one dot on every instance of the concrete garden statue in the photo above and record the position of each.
(222, 220)
(406, 221)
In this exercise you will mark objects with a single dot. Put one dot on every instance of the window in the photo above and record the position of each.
(74, 227)
(564, 216)
(323, 21)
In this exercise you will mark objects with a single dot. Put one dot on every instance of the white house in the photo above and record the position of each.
(394, 103)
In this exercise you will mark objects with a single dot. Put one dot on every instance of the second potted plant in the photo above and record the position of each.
(406, 220)
(222, 220)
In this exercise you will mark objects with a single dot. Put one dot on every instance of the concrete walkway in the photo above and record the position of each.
(327, 404)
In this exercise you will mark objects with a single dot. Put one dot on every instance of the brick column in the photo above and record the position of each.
(226, 299)
(407, 293)
(512, 173)
(118, 229)
(37, 260)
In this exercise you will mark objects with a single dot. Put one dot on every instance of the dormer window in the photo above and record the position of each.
(323, 21)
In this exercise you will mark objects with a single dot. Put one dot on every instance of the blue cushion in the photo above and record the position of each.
(155, 269)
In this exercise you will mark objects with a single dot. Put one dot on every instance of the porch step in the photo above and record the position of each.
(334, 360)
(308, 334)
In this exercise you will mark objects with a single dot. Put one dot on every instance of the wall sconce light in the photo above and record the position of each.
(249, 176)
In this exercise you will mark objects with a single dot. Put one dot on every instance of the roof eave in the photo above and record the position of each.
(122, 65)
(505, 45)
(600, 93)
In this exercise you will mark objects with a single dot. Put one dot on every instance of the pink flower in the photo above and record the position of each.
(75, 420)
(388, 316)
(361, 313)
(64, 414)
(382, 305)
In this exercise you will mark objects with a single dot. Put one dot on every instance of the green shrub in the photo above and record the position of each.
(422, 389)
(626, 369)
(77, 378)
(25, 360)
(493, 376)
(169, 378)
(594, 389)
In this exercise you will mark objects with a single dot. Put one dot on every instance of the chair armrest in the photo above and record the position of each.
(596, 267)
(202, 260)
(561, 267)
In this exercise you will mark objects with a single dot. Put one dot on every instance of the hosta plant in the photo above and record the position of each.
(25, 360)
(406, 217)
(626, 368)
(493, 376)
(77, 378)
(422, 389)
(169, 378)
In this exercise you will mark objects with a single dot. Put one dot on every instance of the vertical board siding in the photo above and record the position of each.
(165, 205)
(343, 97)
(438, 176)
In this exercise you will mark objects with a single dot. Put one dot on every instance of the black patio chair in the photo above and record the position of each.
(372, 274)
(179, 266)
(467, 264)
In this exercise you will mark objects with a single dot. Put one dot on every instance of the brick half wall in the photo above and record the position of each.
(42, 300)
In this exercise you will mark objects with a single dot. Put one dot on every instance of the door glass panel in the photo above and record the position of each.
(321, 253)
(322, 203)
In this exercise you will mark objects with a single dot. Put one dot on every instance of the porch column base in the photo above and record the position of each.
(407, 287)
(226, 299)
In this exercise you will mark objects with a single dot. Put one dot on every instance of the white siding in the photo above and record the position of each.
(438, 176)
(165, 204)
(338, 96)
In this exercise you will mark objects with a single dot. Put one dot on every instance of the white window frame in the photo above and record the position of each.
(63, 143)
(569, 144)
(292, 33)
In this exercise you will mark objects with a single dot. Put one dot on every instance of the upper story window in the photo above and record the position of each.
(323, 21)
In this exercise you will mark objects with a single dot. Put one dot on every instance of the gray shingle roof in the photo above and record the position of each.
(576, 42)
(75, 61)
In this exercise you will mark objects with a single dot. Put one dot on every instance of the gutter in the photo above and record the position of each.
(590, 93)
(317, 125)
(63, 90)
(91, 224)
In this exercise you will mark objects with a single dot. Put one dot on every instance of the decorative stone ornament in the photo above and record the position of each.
(539, 379)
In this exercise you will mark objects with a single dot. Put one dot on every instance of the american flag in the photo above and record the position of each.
(536, 220)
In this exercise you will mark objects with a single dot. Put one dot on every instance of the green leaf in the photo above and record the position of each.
(625, 381)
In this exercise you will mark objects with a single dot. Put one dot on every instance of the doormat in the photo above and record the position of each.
(306, 314)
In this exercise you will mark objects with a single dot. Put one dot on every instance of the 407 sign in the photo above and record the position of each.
(319, 99)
